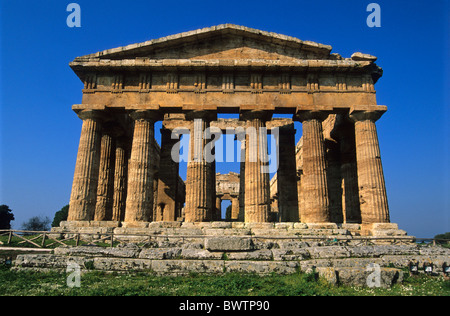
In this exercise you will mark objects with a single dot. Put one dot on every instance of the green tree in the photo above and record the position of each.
(60, 216)
(37, 223)
(6, 216)
(445, 236)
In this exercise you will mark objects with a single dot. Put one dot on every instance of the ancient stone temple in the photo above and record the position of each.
(123, 178)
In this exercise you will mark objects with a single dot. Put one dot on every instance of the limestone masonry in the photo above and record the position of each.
(333, 175)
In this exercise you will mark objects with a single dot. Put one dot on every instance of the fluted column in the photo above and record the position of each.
(105, 187)
(314, 179)
(257, 181)
(372, 188)
(240, 135)
(218, 209)
(84, 187)
(234, 208)
(139, 203)
(120, 179)
(199, 203)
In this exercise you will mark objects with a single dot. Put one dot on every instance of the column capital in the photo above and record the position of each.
(92, 114)
(148, 115)
(306, 115)
(248, 115)
(207, 115)
(363, 115)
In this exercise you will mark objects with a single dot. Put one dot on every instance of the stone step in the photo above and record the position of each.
(218, 249)
(337, 264)
(356, 275)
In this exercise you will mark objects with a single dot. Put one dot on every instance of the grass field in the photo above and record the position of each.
(102, 284)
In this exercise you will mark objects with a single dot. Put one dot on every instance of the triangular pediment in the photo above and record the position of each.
(226, 41)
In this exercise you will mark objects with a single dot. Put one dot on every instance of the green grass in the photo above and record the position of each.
(103, 284)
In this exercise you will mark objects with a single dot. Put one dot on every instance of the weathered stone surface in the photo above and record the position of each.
(200, 254)
(261, 267)
(85, 179)
(229, 244)
(176, 267)
(98, 252)
(116, 264)
(263, 254)
(329, 252)
(46, 261)
(160, 253)
(360, 56)
(361, 277)
(290, 254)
(382, 250)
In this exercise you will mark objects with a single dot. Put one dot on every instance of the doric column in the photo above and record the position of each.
(240, 135)
(168, 179)
(234, 207)
(105, 187)
(120, 179)
(314, 178)
(139, 204)
(199, 204)
(257, 182)
(286, 175)
(85, 179)
(372, 188)
(218, 209)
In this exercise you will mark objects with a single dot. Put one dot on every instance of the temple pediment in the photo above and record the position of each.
(226, 41)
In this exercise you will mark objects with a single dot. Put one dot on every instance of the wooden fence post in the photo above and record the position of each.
(10, 237)
(43, 240)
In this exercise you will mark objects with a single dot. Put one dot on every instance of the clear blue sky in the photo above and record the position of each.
(40, 133)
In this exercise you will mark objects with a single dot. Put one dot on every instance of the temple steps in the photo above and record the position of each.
(339, 262)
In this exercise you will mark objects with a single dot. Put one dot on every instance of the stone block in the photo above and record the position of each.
(322, 225)
(104, 223)
(239, 225)
(261, 267)
(226, 232)
(351, 226)
(160, 253)
(135, 224)
(367, 277)
(262, 254)
(290, 254)
(117, 264)
(259, 225)
(382, 250)
(328, 252)
(272, 232)
(300, 226)
(221, 225)
(200, 254)
(176, 267)
(164, 224)
(93, 251)
(229, 244)
(284, 225)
